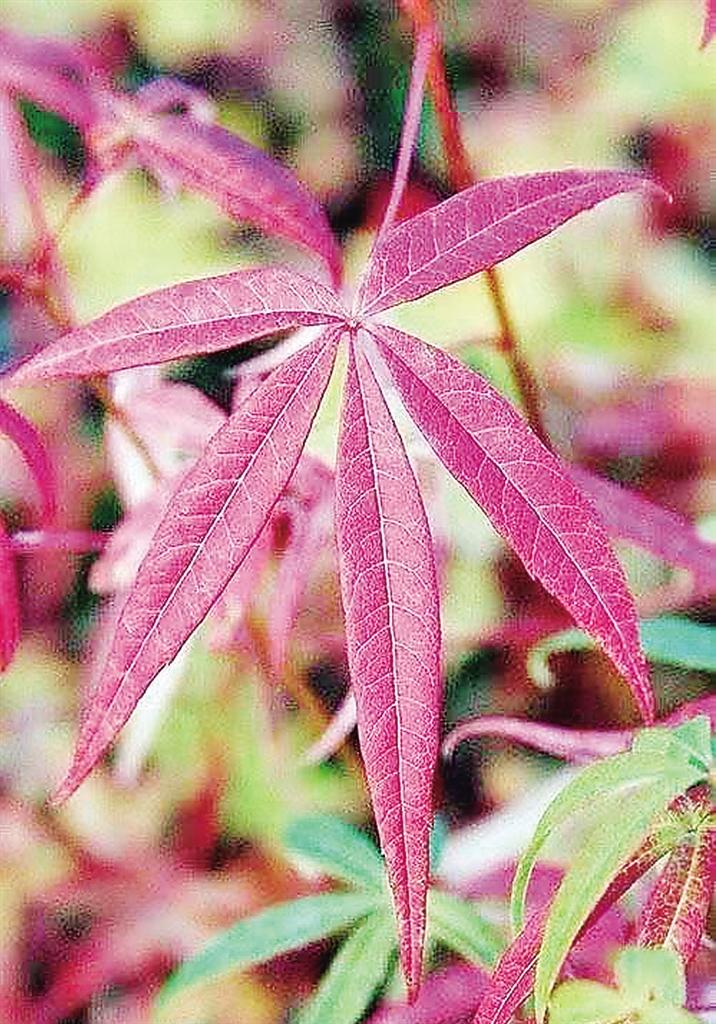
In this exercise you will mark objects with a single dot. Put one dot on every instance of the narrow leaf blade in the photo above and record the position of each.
(339, 849)
(614, 836)
(459, 925)
(268, 934)
(491, 451)
(482, 226)
(654, 529)
(9, 601)
(32, 448)
(390, 599)
(211, 525)
(675, 913)
(243, 180)
(186, 319)
(358, 969)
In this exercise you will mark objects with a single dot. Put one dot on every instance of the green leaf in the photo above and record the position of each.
(587, 1002)
(666, 1013)
(459, 925)
(588, 789)
(270, 933)
(669, 640)
(359, 967)
(613, 837)
(647, 974)
(338, 849)
(677, 641)
(438, 838)
(679, 757)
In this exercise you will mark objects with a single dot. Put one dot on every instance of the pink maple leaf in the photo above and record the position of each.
(388, 580)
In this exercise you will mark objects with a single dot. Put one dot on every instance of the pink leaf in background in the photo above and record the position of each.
(217, 513)
(32, 448)
(655, 529)
(677, 907)
(521, 485)
(9, 601)
(482, 226)
(576, 745)
(709, 23)
(390, 599)
(244, 181)
(48, 72)
(186, 319)
(448, 996)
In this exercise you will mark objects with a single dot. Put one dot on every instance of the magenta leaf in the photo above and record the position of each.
(31, 446)
(9, 601)
(447, 996)
(390, 598)
(242, 180)
(47, 72)
(479, 227)
(491, 451)
(576, 745)
(185, 319)
(217, 513)
(657, 530)
(675, 913)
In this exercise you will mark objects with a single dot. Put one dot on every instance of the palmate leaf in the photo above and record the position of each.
(269, 934)
(479, 227)
(357, 970)
(187, 319)
(513, 979)
(491, 451)
(209, 529)
(390, 597)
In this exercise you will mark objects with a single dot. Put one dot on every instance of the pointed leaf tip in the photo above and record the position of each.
(390, 599)
(481, 226)
(212, 523)
(522, 486)
(187, 319)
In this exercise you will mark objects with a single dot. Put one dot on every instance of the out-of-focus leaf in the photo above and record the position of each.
(577, 745)
(482, 226)
(32, 448)
(447, 995)
(657, 530)
(670, 639)
(338, 849)
(270, 933)
(391, 604)
(46, 72)
(492, 452)
(644, 974)
(587, 1002)
(9, 601)
(709, 23)
(356, 972)
(459, 925)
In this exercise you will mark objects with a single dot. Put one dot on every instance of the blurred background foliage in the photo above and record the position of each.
(615, 314)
